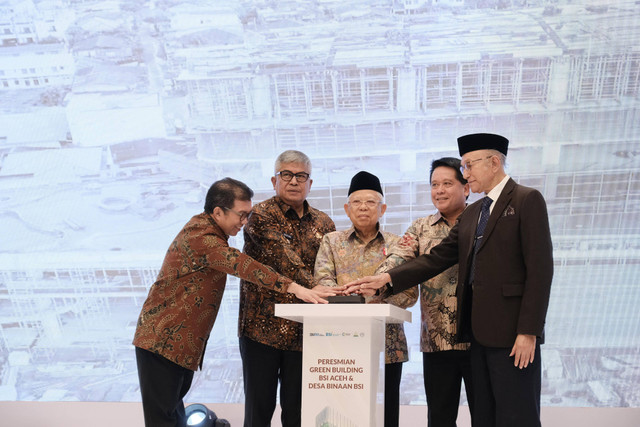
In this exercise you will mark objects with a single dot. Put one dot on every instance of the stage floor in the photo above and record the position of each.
(109, 414)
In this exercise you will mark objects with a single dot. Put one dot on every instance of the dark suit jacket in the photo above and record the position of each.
(514, 268)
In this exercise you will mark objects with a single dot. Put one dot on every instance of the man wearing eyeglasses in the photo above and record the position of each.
(356, 252)
(178, 315)
(503, 246)
(283, 232)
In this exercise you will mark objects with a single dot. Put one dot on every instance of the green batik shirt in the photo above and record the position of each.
(343, 256)
(438, 302)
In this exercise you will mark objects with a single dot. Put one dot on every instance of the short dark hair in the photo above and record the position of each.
(449, 162)
(225, 192)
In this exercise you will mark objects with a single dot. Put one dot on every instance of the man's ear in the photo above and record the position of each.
(383, 208)
(217, 212)
(273, 182)
(495, 162)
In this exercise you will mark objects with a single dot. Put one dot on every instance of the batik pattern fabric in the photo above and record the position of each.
(276, 236)
(438, 302)
(182, 305)
(344, 257)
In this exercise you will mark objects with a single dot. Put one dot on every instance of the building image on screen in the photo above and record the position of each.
(116, 117)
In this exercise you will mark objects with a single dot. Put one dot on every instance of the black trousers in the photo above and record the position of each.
(163, 385)
(263, 367)
(504, 395)
(392, 377)
(443, 373)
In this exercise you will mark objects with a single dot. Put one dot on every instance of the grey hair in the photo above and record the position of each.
(292, 156)
(501, 156)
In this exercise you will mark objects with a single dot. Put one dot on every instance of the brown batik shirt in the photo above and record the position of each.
(182, 305)
(344, 257)
(276, 236)
(438, 302)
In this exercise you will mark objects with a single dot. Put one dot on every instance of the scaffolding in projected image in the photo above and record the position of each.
(336, 116)
(396, 93)
(540, 79)
(426, 66)
(496, 84)
(50, 314)
(48, 307)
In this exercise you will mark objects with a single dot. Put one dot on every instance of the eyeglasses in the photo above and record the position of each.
(368, 203)
(467, 166)
(287, 176)
(242, 215)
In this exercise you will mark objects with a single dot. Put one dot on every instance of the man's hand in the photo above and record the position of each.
(314, 296)
(524, 350)
(367, 285)
(329, 290)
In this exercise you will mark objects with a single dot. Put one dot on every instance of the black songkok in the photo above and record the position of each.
(482, 141)
(365, 181)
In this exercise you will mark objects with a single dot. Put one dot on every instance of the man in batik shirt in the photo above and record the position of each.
(357, 252)
(182, 305)
(445, 362)
(283, 232)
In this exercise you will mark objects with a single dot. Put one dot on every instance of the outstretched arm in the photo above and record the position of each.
(314, 296)
(368, 285)
(266, 237)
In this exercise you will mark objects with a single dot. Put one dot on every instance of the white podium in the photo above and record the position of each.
(342, 358)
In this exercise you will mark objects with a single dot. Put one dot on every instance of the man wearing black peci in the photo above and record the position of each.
(503, 246)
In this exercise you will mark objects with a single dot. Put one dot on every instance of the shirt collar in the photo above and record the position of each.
(352, 233)
(437, 217)
(497, 190)
(286, 208)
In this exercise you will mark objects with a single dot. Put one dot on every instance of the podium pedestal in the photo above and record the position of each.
(342, 361)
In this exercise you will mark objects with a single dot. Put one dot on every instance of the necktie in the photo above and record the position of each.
(484, 218)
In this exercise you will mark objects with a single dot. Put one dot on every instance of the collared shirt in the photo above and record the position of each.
(343, 257)
(276, 236)
(496, 191)
(182, 305)
(438, 302)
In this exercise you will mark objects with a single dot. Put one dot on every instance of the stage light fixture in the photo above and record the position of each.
(199, 415)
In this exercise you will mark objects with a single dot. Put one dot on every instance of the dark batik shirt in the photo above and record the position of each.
(276, 236)
(182, 305)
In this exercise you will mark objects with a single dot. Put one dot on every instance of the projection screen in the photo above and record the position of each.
(116, 116)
